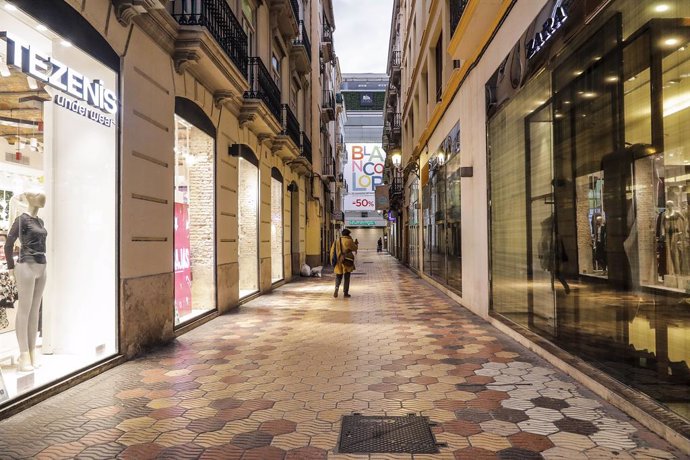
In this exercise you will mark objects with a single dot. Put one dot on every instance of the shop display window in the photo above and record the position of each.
(276, 230)
(413, 228)
(248, 218)
(58, 207)
(194, 228)
(589, 170)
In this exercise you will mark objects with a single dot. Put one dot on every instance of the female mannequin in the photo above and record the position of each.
(674, 227)
(30, 274)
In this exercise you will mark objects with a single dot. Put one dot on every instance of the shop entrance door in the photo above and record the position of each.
(543, 248)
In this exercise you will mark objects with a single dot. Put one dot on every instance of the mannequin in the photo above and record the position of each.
(600, 243)
(674, 227)
(30, 275)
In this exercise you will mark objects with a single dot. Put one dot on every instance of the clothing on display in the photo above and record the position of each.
(32, 235)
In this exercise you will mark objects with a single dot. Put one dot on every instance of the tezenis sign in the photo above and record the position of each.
(58, 75)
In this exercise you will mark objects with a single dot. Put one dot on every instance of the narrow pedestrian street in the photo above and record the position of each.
(273, 379)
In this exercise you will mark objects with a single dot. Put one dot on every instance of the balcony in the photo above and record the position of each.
(396, 192)
(262, 109)
(396, 124)
(287, 144)
(396, 61)
(301, 50)
(328, 169)
(302, 164)
(210, 42)
(469, 22)
(327, 42)
(287, 16)
(328, 106)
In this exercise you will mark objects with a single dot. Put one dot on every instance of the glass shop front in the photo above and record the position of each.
(589, 169)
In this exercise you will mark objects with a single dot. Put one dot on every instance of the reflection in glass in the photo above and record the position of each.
(590, 200)
(276, 230)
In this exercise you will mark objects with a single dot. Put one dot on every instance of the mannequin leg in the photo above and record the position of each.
(40, 274)
(26, 280)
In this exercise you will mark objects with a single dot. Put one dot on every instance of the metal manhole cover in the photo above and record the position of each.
(410, 434)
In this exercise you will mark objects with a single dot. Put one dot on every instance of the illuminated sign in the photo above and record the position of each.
(56, 74)
(549, 28)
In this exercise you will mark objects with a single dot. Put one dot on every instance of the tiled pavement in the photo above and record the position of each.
(272, 380)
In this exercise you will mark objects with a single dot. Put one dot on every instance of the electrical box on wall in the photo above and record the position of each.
(466, 171)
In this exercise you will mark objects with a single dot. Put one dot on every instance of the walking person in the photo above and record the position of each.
(343, 256)
(379, 245)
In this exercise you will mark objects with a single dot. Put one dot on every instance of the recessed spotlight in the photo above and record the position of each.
(10, 7)
(612, 79)
(577, 72)
(633, 78)
(671, 41)
(662, 8)
(41, 28)
(65, 43)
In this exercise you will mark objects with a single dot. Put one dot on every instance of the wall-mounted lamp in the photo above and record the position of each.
(441, 158)
(396, 159)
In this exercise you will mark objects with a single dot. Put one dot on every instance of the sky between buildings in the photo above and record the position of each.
(362, 30)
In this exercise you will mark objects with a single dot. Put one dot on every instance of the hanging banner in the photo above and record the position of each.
(382, 201)
(364, 167)
(183, 266)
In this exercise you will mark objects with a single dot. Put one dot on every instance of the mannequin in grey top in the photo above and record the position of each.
(30, 274)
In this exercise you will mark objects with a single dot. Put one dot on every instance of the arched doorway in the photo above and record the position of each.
(194, 213)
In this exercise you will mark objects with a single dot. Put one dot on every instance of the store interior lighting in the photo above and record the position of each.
(662, 8)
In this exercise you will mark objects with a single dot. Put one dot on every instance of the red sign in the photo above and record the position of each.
(183, 266)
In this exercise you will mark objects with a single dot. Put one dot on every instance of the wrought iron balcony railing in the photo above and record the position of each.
(219, 19)
(457, 7)
(262, 86)
(329, 167)
(306, 147)
(290, 125)
(397, 122)
(294, 4)
(396, 59)
(303, 38)
(327, 32)
(328, 101)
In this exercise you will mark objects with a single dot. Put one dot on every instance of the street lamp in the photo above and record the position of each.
(396, 158)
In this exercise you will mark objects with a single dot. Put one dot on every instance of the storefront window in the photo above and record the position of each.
(58, 207)
(248, 218)
(194, 222)
(413, 219)
(590, 169)
(442, 214)
(276, 227)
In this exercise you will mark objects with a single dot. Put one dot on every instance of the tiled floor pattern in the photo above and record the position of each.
(272, 380)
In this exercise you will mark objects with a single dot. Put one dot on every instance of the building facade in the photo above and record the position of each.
(544, 167)
(363, 97)
(180, 141)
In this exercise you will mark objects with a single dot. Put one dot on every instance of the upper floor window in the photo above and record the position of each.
(439, 67)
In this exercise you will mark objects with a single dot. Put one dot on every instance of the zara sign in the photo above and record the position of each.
(58, 75)
(549, 28)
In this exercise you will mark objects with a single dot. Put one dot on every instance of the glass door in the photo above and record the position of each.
(544, 250)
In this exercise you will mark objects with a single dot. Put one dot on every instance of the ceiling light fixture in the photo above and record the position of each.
(662, 8)
(671, 41)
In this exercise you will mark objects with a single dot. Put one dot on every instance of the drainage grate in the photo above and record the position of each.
(372, 434)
